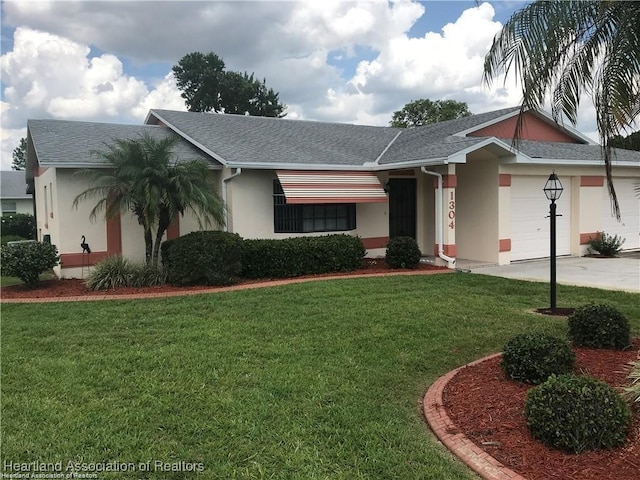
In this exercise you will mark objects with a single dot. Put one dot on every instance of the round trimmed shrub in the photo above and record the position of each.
(577, 413)
(203, 258)
(599, 326)
(403, 252)
(28, 260)
(533, 357)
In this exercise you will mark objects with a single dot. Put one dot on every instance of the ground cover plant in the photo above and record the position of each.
(315, 380)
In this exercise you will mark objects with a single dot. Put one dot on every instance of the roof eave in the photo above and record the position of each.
(189, 139)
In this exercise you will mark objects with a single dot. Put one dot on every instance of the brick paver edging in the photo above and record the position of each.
(178, 293)
(460, 445)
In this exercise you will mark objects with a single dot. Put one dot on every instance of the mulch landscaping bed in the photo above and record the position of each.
(489, 409)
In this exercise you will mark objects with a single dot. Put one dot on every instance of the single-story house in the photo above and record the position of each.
(13, 193)
(459, 187)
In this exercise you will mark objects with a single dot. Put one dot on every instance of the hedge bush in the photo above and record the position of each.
(292, 257)
(403, 252)
(28, 260)
(577, 413)
(4, 239)
(605, 244)
(533, 357)
(599, 326)
(20, 224)
(203, 258)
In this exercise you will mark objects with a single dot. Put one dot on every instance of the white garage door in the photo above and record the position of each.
(530, 228)
(629, 226)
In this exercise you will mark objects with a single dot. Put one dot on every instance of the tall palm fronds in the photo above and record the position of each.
(567, 48)
(143, 178)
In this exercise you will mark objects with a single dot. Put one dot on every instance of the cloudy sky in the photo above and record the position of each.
(338, 61)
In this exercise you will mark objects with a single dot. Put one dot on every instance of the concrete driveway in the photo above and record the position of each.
(622, 273)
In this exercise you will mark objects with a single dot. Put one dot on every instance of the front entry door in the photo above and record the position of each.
(402, 207)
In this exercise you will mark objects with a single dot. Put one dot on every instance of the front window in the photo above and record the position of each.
(322, 217)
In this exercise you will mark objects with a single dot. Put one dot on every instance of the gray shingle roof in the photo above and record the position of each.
(13, 184)
(573, 151)
(68, 143)
(262, 140)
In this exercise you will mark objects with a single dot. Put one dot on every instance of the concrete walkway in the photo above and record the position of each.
(622, 273)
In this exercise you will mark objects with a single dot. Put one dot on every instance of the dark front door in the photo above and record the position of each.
(402, 207)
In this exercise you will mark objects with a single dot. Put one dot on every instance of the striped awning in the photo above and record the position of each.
(331, 187)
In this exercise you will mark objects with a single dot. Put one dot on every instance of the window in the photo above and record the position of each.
(9, 206)
(324, 217)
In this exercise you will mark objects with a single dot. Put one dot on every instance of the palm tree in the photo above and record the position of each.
(144, 179)
(568, 48)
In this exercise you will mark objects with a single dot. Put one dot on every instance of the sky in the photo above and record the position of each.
(334, 61)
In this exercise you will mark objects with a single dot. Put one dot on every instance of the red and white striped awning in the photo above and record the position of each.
(331, 187)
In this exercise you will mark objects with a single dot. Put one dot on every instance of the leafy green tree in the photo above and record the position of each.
(630, 142)
(424, 111)
(145, 180)
(20, 156)
(567, 48)
(206, 86)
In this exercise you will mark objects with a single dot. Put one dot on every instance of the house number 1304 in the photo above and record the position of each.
(452, 212)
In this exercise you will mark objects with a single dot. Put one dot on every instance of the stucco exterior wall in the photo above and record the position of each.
(250, 211)
(477, 208)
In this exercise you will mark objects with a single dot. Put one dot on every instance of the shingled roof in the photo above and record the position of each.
(272, 143)
(65, 143)
(13, 184)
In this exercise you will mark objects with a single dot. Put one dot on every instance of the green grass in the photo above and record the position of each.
(308, 381)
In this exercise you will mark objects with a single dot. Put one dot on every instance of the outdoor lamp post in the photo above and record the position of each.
(553, 189)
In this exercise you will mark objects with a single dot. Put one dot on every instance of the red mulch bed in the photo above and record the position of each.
(77, 288)
(488, 409)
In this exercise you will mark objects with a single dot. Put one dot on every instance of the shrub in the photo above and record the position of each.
(606, 245)
(117, 271)
(28, 260)
(20, 224)
(533, 357)
(632, 390)
(403, 252)
(4, 239)
(292, 257)
(203, 258)
(576, 413)
(112, 272)
(599, 326)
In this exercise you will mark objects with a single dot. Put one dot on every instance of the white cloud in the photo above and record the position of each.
(48, 76)
(57, 68)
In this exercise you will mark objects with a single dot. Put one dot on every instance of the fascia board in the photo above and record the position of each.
(464, 133)
(190, 140)
(523, 159)
(297, 166)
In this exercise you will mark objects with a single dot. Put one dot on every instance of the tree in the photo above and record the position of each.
(424, 111)
(20, 156)
(145, 180)
(206, 86)
(630, 142)
(570, 48)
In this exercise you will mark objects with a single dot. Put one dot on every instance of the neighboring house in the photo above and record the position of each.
(13, 193)
(458, 187)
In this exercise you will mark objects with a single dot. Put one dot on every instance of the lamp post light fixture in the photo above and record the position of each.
(553, 189)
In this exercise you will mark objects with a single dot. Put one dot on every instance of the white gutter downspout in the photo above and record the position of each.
(224, 196)
(451, 262)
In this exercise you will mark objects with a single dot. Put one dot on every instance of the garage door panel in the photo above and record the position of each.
(629, 225)
(530, 228)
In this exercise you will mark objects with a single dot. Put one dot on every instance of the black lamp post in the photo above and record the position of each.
(553, 189)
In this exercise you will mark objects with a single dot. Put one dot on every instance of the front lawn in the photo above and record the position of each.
(306, 381)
